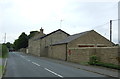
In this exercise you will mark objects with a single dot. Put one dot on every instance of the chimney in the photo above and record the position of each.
(41, 30)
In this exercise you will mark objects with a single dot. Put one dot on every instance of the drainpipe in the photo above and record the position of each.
(66, 53)
(40, 48)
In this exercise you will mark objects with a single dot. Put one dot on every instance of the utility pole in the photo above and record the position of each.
(5, 38)
(111, 30)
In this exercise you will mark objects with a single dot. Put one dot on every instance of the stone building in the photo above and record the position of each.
(59, 50)
(33, 45)
(39, 44)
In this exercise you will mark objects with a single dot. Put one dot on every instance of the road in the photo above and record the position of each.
(22, 65)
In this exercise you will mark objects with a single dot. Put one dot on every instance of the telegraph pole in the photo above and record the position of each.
(5, 38)
(111, 30)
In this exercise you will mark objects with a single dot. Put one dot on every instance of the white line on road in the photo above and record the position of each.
(35, 63)
(53, 72)
(22, 56)
(28, 60)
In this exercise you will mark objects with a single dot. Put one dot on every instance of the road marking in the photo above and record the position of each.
(53, 72)
(22, 56)
(28, 60)
(35, 63)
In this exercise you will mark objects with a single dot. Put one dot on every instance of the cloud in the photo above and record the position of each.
(27, 15)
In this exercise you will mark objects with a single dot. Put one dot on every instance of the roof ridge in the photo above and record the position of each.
(72, 37)
(52, 33)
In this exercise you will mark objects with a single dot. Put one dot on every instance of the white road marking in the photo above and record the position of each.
(22, 56)
(28, 60)
(53, 72)
(35, 63)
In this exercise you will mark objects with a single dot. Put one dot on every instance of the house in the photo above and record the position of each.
(33, 46)
(39, 46)
(59, 50)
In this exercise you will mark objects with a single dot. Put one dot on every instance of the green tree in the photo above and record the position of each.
(21, 42)
(32, 33)
(15, 45)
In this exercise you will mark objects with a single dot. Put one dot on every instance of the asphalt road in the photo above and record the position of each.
(22, 65)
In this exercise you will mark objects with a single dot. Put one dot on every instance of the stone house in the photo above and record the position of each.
(33, 45)
(39, 44)
(59, 50)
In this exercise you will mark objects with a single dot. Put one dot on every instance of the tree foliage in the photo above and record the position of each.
(21, 42)
(32, 33)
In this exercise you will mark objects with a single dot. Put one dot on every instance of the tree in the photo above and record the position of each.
(15, 45)
(32, 33)
(21, 42)
(8, 44)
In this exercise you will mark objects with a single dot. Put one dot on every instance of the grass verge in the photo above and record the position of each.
(94, 60)
(1, 70)
(108, 65)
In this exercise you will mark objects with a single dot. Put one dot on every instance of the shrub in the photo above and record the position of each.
(93, 60)
(4, 51)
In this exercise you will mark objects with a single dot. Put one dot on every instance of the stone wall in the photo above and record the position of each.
(33, 47)
(57, 52)
(22, 50)
(81, 55)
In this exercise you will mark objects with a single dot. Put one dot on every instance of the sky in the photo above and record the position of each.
(77, 16)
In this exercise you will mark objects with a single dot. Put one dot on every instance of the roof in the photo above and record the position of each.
(72, 37)
(51, 34)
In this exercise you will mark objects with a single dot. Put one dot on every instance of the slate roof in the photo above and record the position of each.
(52, 33)
(72, 37)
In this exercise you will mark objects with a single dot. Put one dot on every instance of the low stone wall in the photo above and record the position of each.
(106, 54)
(22, 50)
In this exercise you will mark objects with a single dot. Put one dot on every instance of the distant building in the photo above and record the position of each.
(90, 38)
(39, 44)
(33, 45)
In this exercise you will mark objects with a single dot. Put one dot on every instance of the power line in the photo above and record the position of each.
(105, 24)
(116, 20)
(101, 25)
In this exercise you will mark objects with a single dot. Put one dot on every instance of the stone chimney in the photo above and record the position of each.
(41, 30)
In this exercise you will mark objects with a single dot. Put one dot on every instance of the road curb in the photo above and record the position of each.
(91, 71)
(4, 68)
(112, 76)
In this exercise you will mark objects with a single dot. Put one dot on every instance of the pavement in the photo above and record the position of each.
(23, 65)
(96, 69)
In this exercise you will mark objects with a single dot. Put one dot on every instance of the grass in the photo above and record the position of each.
(94, 60)
(108, 65)
(0, 70)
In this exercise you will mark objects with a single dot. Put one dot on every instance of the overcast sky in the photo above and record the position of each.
(17, 16)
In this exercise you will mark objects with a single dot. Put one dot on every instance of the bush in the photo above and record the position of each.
(4, 50)
(93, 60)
